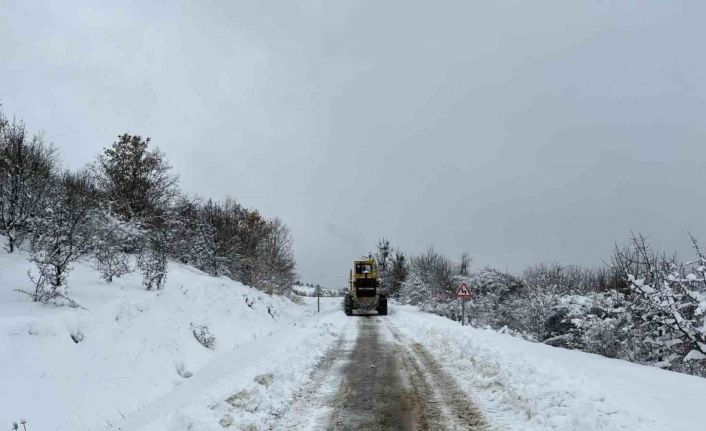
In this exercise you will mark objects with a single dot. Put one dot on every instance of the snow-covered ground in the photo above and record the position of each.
(532, 386)
(139, 365)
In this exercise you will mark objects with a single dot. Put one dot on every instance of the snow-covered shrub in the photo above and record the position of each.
(607, 336)
(77, 336)
(669, 300)
(451, 309)
(435, 272)
(547, 290)
(111, 262)
(492, 304)
(430, 282)
(112, 235)
(203, 335)
(152, 260)
(594, 323)
(415, 292)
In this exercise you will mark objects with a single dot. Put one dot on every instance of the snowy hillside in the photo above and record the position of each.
(137, 354)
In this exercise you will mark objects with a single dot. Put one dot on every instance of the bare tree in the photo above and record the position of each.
(464, 264)
(274, 263)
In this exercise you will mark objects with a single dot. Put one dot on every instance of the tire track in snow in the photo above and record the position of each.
(311, 406)
(455, 410)
(391, 383)
(374, 378)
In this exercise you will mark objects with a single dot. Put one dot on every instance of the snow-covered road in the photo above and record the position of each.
(412, 370)
(381, 381)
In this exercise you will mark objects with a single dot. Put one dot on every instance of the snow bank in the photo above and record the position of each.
(131, 359)
(302, 290)
(532, 386)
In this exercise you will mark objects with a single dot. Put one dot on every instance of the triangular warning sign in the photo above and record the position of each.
(463, 291)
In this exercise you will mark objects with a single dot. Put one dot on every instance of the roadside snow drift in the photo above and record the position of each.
(132, 359)
(532, 386)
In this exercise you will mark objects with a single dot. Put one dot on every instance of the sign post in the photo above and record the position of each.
(318, 298)
(463, 293)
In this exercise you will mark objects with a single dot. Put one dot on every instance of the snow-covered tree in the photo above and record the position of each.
(399, 272)
(136, 180)
(26, 169)
(383, 256)
(128, 205)
(139, 188)
(194, 237)
(63, 233)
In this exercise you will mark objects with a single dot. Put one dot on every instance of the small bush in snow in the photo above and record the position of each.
(203, 336)
(153, 260)
(77, 336)
(112, 237)
(112, 263)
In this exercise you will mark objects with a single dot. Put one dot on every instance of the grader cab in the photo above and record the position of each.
(365, 292)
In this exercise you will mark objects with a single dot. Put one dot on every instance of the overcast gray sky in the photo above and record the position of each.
(519, 131)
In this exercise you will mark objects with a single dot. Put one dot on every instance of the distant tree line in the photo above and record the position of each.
(643, 306)
(125, 212)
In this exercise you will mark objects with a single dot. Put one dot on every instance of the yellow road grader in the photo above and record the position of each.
(365, 292)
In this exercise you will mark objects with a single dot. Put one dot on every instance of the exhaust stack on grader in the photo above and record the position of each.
(365, 292)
